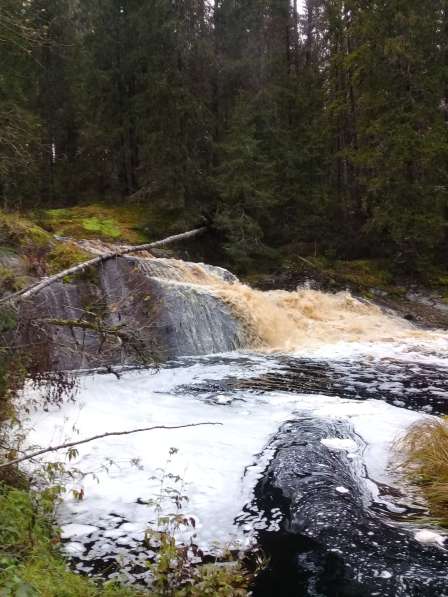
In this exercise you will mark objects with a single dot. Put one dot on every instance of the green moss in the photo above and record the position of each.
(106, 222)
(106, 228)
(9, 281)
(65, 255)
(129, 222)
(18, 232)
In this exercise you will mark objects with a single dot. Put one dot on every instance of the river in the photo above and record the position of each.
(299, 457)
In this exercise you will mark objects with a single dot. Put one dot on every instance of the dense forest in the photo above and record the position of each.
(322, 127)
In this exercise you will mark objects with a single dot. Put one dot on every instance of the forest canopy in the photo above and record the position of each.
(323, 127)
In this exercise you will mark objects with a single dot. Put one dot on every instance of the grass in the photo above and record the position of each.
(424, 455)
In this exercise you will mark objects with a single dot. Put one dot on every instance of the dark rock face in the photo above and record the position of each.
(333, 540)
(155, 300)
(156, 297)
(61, 347)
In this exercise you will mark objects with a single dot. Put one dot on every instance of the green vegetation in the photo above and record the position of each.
(10, 281)
(31, 564)
(424, 455)
(195, 114)
(105, 222)
(65, 255)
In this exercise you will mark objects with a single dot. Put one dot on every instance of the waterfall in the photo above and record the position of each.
(186, 309)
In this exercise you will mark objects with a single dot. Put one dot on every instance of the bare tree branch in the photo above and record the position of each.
(128, 337)
(76, 269)
(95, 437)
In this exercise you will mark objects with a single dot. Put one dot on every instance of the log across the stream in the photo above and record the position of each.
(29, 291)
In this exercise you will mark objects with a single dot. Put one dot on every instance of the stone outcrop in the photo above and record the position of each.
(167, 305)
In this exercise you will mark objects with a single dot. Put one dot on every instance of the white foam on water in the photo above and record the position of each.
(340, 444)
(76, 530)
(430, 537)
(218, 464)
(430, 350)
(342, 490)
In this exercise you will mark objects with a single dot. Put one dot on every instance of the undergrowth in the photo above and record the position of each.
(424, 457)
(31, 564)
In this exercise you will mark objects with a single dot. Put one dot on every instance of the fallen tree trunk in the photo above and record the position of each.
(77, 269)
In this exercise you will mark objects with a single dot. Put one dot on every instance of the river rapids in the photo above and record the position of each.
(299, 459)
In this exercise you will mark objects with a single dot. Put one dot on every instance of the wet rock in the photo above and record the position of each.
(155, 300)
(336, 543)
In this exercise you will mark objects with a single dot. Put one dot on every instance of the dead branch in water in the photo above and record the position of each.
(95, 437)
(76, 269)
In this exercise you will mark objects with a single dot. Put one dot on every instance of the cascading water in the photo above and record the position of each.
(309, 415)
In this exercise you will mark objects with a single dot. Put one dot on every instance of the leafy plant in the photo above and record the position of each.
(176, 571)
